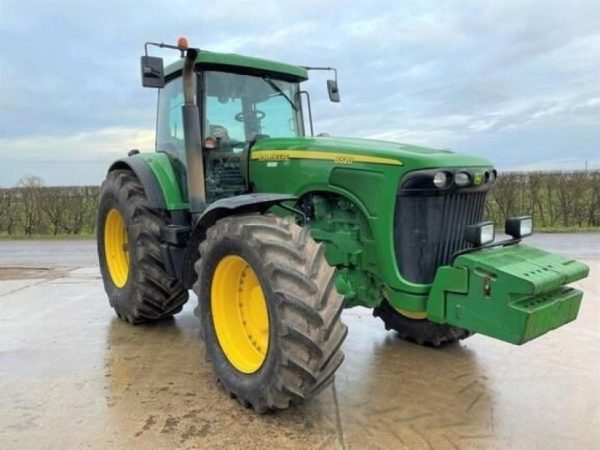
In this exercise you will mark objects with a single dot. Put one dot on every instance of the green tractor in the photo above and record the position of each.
(277, 231)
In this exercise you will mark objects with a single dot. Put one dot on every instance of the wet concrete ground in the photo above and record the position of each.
(73, 376)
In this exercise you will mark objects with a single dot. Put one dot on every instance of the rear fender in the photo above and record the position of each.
(158, 176)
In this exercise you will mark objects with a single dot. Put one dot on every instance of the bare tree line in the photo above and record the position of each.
(34, 209)
(556, 200)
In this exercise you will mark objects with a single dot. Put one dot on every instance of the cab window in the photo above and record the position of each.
(242, 107)
(169, 127)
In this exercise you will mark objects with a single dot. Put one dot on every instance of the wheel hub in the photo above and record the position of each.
(116, 248)
(240, 315)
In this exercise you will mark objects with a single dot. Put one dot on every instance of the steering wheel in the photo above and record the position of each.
(259, 115)
(237, 144)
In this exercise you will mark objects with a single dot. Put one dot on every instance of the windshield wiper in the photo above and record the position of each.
(280, 92)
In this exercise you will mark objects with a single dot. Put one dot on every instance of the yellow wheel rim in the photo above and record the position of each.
(415, 315)
(239, 314)
(115, 248)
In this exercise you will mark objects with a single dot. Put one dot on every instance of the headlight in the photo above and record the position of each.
(462, 179)
(480, 233)
(440, 179)
(519, 227)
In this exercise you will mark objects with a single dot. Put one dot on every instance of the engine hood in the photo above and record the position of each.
(350, 150)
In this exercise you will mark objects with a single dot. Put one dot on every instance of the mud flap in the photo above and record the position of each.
(514, 293)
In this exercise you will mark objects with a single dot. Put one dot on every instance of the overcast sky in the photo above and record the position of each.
(515, 81)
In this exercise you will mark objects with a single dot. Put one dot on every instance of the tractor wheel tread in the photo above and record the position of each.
(297, 307)
(319, 262)
(332, 315)
(328, 376)
(299, 339)
(295, 396)
(295, 277)
(301, 370)
(333, 347)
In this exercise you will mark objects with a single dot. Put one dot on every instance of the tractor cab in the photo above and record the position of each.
(238, 100)
(236, 110)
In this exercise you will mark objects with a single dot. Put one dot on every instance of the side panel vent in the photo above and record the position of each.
(366, 185)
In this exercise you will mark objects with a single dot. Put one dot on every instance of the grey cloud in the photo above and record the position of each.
(471, 75)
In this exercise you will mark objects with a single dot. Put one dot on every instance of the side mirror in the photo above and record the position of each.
(333, 91)
(153, 72)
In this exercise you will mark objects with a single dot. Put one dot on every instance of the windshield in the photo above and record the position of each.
(240, 108)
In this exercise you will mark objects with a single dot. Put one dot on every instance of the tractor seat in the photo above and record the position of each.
(219, 132)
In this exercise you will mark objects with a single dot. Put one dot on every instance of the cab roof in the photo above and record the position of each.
(248, 64)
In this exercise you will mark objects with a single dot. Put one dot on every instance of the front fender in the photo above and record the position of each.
(240, 204)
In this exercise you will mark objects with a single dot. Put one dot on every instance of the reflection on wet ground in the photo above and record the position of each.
(73, 376)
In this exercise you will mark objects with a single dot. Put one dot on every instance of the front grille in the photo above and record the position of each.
(429, 229)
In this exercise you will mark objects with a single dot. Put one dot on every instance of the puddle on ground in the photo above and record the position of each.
(26, 273)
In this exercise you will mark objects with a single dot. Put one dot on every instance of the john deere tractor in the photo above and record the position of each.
(277, 231)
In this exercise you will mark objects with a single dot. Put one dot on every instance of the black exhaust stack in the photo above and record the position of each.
(193, 136)
(153, 76)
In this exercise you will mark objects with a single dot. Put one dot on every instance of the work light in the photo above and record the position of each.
(519, 227)
(480, 234)
(462, 179)
(440, 179)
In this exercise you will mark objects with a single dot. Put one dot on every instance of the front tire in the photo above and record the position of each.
(269, 311)
(128, 229)
(419, 331)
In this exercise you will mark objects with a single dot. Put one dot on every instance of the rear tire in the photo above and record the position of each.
(138, 285)
(303, 309)
(419, 331)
